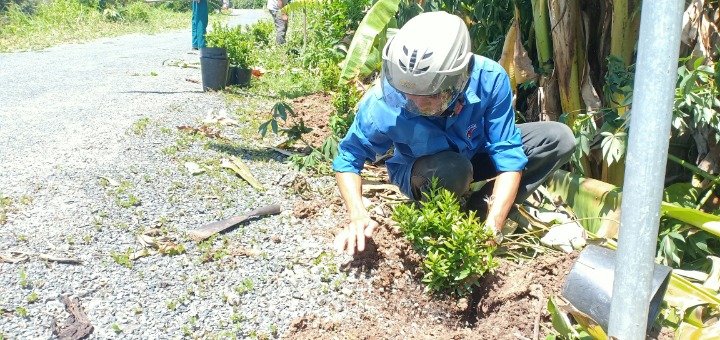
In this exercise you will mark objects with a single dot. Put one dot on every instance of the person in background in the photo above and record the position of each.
(199, 23)
(280, 18)
(448, 114)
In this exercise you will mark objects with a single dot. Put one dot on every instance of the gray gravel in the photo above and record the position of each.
(72, 114)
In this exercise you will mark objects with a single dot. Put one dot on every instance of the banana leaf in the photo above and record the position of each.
(696, 218)
(596, 203)
(374, 22)
(514, 58)
(688, 331)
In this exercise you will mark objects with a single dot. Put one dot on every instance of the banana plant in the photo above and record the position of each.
(366, 41)
(691, 306)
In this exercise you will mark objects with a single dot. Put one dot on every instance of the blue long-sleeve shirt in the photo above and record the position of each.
(485, 124)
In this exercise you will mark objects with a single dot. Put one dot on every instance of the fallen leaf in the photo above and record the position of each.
(142, 253)
(220, 118)
(146, 240)
(13, 259)
(232, 298)
(240, 251)
(170, 248)
(110, 181)
(153, 232)
(202, 130)
(194, 168)
(241, 169)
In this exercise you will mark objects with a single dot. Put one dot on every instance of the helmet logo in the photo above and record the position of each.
(407, 84)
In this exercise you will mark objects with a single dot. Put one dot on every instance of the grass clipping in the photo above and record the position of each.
(456, 247)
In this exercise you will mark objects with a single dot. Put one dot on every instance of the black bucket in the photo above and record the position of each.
(214, 68)
(213, 52)
(239, 76)
(589, 285)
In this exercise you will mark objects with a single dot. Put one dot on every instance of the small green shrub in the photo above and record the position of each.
(262, 32)
(329, 76)
(455, 245)
(239, 45)
(248, 3)
(344, 101)
(135, 12)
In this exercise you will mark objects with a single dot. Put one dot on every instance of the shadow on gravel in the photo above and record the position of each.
(236, 91)
(161, 92)
(245, 153)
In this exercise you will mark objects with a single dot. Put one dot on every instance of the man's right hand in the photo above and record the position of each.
(353, 236)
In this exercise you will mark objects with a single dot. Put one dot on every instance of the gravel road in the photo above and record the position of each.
(74, 114)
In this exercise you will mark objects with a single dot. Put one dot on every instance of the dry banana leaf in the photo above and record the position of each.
(241, 169)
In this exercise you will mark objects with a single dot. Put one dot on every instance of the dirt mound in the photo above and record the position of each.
(315, 111)
(510, 303)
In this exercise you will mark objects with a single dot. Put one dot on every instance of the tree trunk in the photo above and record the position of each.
(566, 33)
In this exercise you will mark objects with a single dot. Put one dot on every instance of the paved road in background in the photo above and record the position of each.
(69, 105)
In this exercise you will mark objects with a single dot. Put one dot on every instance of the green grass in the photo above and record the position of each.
(68, 21)
(285, 75)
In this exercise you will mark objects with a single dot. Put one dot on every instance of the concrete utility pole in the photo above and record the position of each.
(658, 49)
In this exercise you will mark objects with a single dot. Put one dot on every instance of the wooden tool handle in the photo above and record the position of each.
(218, 226)
(272, 209)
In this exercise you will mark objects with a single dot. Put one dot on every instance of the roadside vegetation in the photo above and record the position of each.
(334, 48)
(33, 24)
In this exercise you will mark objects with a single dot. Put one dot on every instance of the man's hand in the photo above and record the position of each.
(353, 236)
(495, 229)
(285, 17)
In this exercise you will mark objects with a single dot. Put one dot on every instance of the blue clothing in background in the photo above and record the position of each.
(485, 124)
(199, 23)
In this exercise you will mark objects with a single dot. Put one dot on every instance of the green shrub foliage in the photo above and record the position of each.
(262, 32)
(456, 247)
(239, 45)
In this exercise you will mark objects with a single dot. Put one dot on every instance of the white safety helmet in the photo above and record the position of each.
(425, 65)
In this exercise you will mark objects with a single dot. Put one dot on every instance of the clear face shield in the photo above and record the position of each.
(432, 105)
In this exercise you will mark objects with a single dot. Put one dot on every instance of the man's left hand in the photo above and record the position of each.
(495, 229)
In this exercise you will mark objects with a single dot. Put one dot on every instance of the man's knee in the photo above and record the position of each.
(565, 141)
(453, 171)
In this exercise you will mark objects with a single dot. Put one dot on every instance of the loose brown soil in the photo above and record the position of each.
(315, 111)
(511, 303)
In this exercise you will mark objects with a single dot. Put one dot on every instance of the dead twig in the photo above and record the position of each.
(20, 256)
(59, 259)
(538, 312)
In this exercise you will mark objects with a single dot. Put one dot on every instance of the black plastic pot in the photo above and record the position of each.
(589, 285)
(213, 53)
(213, 68)
(239, 76)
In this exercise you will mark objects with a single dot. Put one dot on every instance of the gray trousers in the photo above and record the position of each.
(280, 27)
(547, 145)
